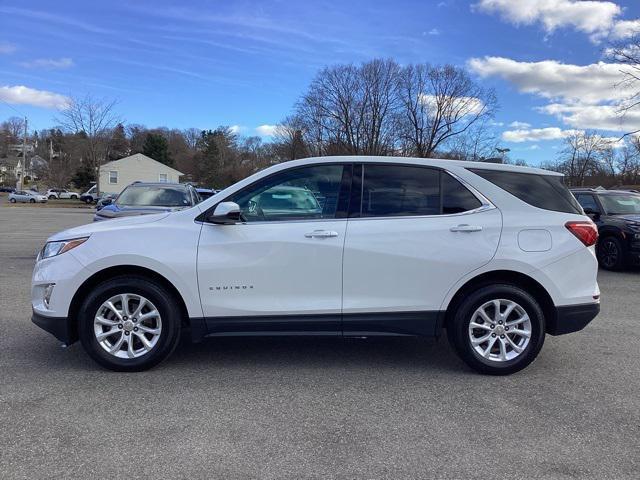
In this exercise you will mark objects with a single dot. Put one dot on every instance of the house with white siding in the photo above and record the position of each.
(116, 175)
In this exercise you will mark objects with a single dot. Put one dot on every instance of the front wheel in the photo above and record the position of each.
(32, 200)
(497, 329)
(129, 324)
(12, 200)
(88, 200)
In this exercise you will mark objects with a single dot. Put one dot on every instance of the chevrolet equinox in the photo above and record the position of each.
(497, 255)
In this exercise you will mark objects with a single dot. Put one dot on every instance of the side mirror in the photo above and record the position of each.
(225, 213)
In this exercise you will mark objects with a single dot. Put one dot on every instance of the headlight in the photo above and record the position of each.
(51, 249)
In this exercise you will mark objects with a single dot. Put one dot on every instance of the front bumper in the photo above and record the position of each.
(572, 318)
(59, 327)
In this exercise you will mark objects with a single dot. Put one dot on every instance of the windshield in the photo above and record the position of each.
(621, 204)
(150, 196)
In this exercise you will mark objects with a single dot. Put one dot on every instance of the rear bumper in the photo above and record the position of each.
(59, 327)
(572, 318)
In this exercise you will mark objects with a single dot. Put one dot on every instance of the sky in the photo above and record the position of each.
(244, 64)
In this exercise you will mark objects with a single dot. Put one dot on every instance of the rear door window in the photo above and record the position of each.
(587, 202)
(404, 190)
(543, 191)
(397, 190)
(456, 198)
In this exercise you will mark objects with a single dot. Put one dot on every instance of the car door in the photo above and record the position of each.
(280, 270)
(414, 233)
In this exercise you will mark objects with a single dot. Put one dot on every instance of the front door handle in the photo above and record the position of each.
(466, 228)
(321, 234)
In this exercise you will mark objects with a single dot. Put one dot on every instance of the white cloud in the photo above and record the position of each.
(7, 48)
(266, 130)
(592, 83)
(21, 95)
(592, 17)
(518, 124)
(434, 31)
(535, 134)
(625, 28)
(49, 63)
(463, 105)
(598, 19)
(236, 129)
(601, 117)
(581, 96)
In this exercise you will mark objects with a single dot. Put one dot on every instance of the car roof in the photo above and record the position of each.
(158, 184)
(431, 162)
(602, 191)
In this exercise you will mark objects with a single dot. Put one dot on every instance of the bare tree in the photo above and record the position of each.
(477, 143)
(94, 120)
(11, 130)
(627, 54)
(583, 154)
(439, 104)
(288, 139)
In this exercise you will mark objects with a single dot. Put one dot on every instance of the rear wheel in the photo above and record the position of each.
(129, 324)
(497, 329)
(88, 200)
(610, 253)
(51, 197)
(74, 197)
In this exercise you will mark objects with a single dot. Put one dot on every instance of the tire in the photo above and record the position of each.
(162, 344)
(74, 197)
(32, 200)
(88, 200)
(460, 333)
(610, 253)
(51, 197)
(12, 200)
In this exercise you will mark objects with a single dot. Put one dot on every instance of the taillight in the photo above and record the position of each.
(585, 231)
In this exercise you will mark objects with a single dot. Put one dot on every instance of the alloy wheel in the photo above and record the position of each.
(127, 325)
(609, 253)
(500, 330)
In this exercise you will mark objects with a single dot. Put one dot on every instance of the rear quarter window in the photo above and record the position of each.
(543, 191)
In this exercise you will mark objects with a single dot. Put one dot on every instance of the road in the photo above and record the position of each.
(312, 408)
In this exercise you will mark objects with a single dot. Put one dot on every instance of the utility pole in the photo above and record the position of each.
(24, 155)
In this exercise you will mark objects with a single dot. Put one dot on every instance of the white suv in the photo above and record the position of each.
(497, 255)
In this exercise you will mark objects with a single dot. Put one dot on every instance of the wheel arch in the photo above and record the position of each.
(527, 283)
(118, 271)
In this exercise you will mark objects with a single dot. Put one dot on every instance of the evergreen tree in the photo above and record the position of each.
(119, 144)
(156, 147)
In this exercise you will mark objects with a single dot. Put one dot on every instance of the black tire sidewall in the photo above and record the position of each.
(457, 329)
(12, 200)
(164, 301)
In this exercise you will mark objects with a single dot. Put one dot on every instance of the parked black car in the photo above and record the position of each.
(7, 189)
(617, 215)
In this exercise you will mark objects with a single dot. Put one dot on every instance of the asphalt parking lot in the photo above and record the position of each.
(312, 408)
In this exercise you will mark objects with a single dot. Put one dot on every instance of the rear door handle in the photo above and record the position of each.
(466, 228)
(321, 234)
